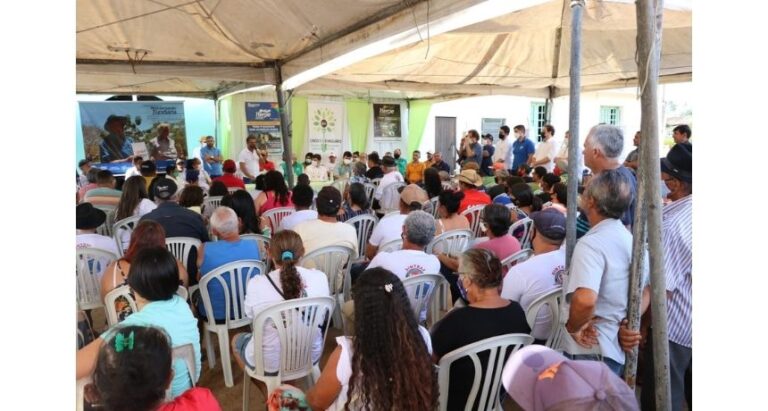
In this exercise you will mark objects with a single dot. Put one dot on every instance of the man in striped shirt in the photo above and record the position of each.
(677, 240)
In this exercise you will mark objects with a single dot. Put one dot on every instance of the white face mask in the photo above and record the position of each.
(314, 163)
(347, 161)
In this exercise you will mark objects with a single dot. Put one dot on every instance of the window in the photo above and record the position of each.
(610, 115)
(538, 119)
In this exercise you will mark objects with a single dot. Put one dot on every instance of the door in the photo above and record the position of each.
(445, 139)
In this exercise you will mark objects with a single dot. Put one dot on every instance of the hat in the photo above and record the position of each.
(112, 118)
(541, 379)
(148, 167)
(550, 223)
(165, 188)
(413, 192)
(332, 154)
(678, 162)
(229, 166)
(388, 161)
(89, 217)
(329, 198)
(470, 177)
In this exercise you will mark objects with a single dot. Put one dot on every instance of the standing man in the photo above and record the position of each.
(116, 147)
(502, 147)
(633, 158)
(470, 148)
(486, 165)
(196, 151)
(163, 147)
(249, 160)
(401, 162)
(429, 161)
(414, 172)
(521, 152)
(547, 150)
(211, 158)
(682, 134)
(596, 286)
(440, 164)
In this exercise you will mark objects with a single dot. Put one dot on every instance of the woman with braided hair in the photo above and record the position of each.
(387, 364)
(287, 282)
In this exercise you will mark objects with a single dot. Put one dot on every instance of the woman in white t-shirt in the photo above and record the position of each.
(286, 282)
(387, 365)
(134, 201)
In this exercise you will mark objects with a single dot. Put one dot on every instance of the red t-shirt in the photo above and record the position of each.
(193, 399)
(472, 198)
(230, 180)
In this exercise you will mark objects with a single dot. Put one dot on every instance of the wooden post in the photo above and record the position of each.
(577, 7)
(649, 29)
(285, 126)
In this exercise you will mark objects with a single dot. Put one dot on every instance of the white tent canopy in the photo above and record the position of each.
(412, 48)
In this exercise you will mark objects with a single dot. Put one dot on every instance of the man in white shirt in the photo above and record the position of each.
(389, 228)
(417, 231)
(249, 160)
(546, 150)
(386, 200)
(502, 147)
(196, 151)
(331, 164)
(302, 200)
(326, 230)
(89, 218)
(542, 273)
(315, 171)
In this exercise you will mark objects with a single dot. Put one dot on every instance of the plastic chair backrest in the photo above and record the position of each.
(106, 228)
(210, 204)
(122, 230)
(180, 247)
(263, 242)
(390, 192)
(526, 223)
(184, 353)
(390, 246)
(474, 215)
(552, 300)
(91, 263)
(109, 303)
(435, 202)
(233, 189)
(452, 242)
(296, 322)
(376, 181)
(485, 395)
(364, 224)
(516, 258)
(420, 289)
(330, 260)
(238, 273)
(276, 215)
(370, 189)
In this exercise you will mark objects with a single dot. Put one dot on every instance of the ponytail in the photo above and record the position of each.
(290, 280)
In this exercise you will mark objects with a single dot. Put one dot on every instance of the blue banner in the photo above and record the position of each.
(262, 119)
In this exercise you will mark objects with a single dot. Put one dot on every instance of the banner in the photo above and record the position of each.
(262, 119)
(113, 130)
(386, 121)
(326, 127)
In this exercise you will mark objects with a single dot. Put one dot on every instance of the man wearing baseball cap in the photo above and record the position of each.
(469, 182)
(229, 178)
(542, 273)
(115, 147)
(677, 243)
(326, 230)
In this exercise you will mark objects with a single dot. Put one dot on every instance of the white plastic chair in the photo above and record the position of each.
(552, 300)
(122, 230)
(233, 189)
(276, 215)
(106, 228)
(263, 242)
(435, 203)
(527, 224)
(238, 272)
(516, 258)
(370, 189)
(364, 224)
(296, 321)
(91, 263)
(390, 246)
(474, 215)
(210, 204)
(390, 193)
(376, 182)
(335, 262)
(125, 292)
(180, 247)
(421, 289)
(487, 395)
(446, 185)
(452, 242)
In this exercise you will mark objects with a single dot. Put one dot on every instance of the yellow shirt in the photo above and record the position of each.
(414, 172)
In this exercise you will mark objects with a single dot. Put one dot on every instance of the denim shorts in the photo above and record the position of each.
(614, 366)
(240, 343)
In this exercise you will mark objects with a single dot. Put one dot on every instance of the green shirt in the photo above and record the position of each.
(401, 164)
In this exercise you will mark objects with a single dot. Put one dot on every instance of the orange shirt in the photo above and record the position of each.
(414, 172)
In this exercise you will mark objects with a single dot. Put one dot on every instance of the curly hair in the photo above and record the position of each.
(134, 378)
(290, 281)
(391, 365)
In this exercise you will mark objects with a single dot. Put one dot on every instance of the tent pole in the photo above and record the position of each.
(649, 30)
(285, 127)
(577, 8)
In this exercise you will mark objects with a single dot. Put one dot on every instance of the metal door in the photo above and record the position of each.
(445, 139)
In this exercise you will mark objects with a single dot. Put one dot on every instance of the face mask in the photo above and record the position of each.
(314, 163)
(347, 161)
(307, 162)
(502, 136)
(397, 156)
(462, 290)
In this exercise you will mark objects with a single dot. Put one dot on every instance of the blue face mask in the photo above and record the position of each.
(462, 290)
